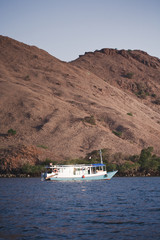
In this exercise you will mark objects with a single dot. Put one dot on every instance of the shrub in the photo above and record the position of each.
(42, 146)
(153, 95)
(111, 167)
(32, 170)
(130, 114)
(148, 161)
(142, 90)
(134, 158)
(27, 78)
(142, 93)
(117, 133)
(11, 132)
(90, 120)
(116, 157)
(128, 168)
(135, 164)
(157, 101)
(129, 75)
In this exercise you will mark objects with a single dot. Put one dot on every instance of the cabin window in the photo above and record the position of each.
(76, 171)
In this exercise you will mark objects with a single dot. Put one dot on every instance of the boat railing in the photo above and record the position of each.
(75, 165)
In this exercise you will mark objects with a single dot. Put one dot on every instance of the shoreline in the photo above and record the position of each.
(10, 175)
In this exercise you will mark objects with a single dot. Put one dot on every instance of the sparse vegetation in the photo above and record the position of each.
(142, 94)
(32, 170)
(148, 161)
(156, 101)
(153, 95)
(130, 114)
(90, 120)
(27, 78)
(142, 91)
(144, 164)
(37, 85)
(11, 132)
(42, 146)
(117, 133)
(129, 75)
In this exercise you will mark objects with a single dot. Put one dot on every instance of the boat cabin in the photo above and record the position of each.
(75, 170)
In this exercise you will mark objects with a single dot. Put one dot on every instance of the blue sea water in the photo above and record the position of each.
(122, 208)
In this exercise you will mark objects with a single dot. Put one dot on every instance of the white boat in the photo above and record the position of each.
(76, 172)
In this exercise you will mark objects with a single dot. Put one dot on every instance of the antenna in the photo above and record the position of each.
(100, 151)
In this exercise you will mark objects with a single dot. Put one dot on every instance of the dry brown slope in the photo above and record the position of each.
(132, 71)
(47, 101)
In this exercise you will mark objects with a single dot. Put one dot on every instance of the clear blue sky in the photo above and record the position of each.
(68, 28)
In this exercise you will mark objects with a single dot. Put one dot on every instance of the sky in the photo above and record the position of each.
(69, 28)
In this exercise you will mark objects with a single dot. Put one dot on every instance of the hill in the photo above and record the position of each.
(104, 99)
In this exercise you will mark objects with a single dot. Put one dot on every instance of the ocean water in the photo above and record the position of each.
(122, 208)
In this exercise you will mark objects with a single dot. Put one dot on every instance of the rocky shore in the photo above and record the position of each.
(10, 175)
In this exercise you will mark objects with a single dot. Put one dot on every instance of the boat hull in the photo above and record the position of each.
(107, 176)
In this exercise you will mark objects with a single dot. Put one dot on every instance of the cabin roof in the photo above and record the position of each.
(98, 165)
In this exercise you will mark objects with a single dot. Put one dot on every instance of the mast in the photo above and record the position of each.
(100, 151)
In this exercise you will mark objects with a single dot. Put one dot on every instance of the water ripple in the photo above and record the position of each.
(123, 209)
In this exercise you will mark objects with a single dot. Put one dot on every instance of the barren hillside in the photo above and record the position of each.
(104, 99)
